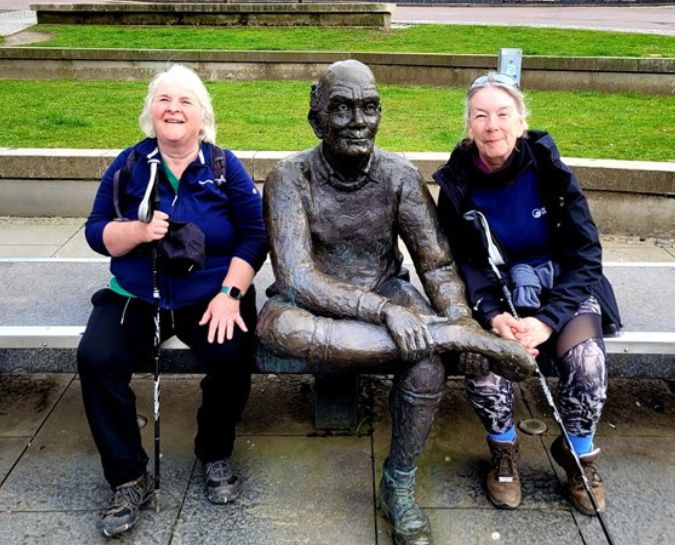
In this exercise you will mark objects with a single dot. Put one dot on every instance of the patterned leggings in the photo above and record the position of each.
(582, 389)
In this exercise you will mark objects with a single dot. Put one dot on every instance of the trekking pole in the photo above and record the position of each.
(568, 442)
(155, 357)
(494, 258)
(584, 480)
(145, 213)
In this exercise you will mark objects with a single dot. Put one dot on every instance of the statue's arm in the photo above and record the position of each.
(296, 275)
(420, 230)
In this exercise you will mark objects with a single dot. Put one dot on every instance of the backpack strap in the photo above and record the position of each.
(218, 165)
(120, 179)
(122, 175)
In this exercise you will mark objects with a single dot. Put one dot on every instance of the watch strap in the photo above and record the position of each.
(233, 292)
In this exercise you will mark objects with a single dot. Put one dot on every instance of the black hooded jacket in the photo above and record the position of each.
(575, 240)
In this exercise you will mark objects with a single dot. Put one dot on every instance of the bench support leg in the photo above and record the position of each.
(336, 397)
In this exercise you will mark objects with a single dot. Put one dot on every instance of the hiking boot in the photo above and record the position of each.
(222, 485)
(397, 503)
(125, 504)
(575, 486)
(503, 480)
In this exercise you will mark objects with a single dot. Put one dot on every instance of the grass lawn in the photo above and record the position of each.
(272, 116)
(471, 39)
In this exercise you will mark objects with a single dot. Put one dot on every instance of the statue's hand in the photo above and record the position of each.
(456, 312)
(409, 331)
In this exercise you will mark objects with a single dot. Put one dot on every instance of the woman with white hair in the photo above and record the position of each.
(513, 179)
(174, 181)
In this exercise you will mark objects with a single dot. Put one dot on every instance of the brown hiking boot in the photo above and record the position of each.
(503, 480)
(575, 486)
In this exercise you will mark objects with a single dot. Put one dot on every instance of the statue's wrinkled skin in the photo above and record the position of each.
(334, 214)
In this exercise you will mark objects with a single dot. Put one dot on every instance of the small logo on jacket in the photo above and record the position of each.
(538, 212)
(218, 181)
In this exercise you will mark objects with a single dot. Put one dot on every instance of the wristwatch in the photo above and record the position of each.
(232, 291)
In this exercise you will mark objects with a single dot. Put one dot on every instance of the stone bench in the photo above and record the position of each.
(218, 14)
(47, 304)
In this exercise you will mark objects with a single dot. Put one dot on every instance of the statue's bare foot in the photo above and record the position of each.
(516, 364)
(507, 358)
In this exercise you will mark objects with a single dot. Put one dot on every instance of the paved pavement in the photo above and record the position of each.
(12, 22)
(56, 237)
(64, 238)
(644, 19)
(301, 486)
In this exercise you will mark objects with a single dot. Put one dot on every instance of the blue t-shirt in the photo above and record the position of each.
(516, 217)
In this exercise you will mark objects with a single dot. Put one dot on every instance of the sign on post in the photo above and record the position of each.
(510, 62)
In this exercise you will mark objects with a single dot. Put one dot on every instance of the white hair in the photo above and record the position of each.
(492, 79)
(188, 78)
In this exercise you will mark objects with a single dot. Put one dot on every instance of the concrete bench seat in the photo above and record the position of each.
(46, 306)
(635, 343)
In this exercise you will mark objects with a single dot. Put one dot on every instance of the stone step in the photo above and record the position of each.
(541, 73)
(364, 14)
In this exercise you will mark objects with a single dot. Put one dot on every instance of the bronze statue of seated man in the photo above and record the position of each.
(335, 213)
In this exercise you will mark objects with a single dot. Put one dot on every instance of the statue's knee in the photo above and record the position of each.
(425, 378)
(287, 329)
(268, 318)
(282, 325)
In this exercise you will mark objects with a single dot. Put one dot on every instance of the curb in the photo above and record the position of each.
(604, 74)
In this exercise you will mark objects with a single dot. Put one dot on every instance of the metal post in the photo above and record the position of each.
(510, 62)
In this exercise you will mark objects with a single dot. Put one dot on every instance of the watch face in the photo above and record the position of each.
(235, 292)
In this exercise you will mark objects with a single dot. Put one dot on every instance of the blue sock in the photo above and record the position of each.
(582, 445)
(509, 436)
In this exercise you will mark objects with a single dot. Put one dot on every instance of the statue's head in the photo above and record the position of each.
(345, 109)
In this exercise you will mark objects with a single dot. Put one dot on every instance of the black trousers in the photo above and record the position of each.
(118, 341)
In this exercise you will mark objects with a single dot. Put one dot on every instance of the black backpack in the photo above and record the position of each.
(122, 175)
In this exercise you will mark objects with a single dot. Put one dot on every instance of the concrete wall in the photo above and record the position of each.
(217, 14)
(626, 197)
(619, 74)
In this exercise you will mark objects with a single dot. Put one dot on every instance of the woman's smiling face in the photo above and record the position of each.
(494, 125)
(176, 115)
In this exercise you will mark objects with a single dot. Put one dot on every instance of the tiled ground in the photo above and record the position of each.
(303, 487)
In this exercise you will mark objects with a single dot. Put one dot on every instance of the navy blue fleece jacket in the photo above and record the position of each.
(229, 214)
(575, 242)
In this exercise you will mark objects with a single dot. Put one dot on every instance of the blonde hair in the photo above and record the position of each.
(189, 79)
(492, 79)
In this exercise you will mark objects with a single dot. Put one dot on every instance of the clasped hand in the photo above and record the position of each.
(530, 332)
(222, 315)
(156, 228)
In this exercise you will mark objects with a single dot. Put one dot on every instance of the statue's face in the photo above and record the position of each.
(351, 112)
